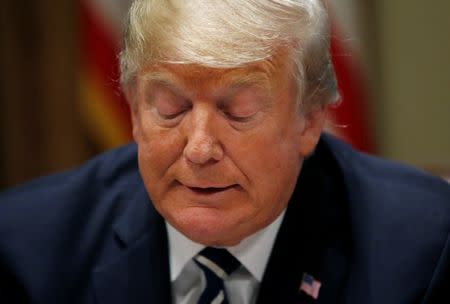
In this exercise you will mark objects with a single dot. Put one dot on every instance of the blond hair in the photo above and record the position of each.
(232, 33)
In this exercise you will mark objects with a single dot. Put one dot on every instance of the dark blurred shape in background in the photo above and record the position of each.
(40, 126)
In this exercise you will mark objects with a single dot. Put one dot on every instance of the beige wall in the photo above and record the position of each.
(412, 93)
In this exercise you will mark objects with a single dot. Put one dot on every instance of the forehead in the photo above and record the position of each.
(270, 73)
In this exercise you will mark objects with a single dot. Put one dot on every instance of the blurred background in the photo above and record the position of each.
(60, 103)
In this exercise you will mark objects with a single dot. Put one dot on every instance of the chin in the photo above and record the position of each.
(208, 226)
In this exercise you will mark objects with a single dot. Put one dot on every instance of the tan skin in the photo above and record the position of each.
(220, 150)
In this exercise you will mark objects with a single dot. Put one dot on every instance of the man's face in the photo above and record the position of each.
(220, 150)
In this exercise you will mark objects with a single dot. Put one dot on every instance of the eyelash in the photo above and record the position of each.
(171, 116)
(238, 118)
(227, 115)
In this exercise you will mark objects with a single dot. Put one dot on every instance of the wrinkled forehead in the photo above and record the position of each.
(274, 72)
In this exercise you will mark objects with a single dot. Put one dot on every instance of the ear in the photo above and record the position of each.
(314, 122)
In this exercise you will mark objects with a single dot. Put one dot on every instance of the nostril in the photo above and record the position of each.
(197, 153)
(200, 150)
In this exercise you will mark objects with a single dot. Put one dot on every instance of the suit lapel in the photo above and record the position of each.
(140, 272)
(313, 237)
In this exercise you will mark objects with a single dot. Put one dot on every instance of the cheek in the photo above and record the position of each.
(271, 164)
(158, 148)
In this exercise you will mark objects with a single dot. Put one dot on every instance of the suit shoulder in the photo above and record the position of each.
(61, 226)
(93, 187)
(388, 179)
(111, 166)
(400, 219)
(390, 197)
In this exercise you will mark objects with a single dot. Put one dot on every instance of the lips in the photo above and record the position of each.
(205, 188)
(210, 190)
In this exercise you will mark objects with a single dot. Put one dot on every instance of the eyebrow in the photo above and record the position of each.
(233, 80)
(227, 85)
(163, 79)
(237, 79)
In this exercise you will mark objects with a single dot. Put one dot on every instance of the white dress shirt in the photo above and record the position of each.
(188, 280)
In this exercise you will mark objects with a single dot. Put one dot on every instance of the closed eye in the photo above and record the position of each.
(239, 118)
(244, 104)
(170, 116)
(167, 105)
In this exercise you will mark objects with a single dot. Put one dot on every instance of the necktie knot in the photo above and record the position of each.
(217, 260)
(217, 264)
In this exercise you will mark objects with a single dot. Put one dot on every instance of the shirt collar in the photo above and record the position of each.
(253, 252)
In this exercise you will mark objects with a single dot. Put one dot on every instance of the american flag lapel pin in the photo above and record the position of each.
(310, 286)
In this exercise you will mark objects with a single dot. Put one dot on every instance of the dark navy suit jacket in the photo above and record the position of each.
(371, 231)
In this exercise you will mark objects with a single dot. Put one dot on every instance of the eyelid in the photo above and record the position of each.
(167, 104)
(170, 116)
(179, 112)
(242, 111)
(241, 119)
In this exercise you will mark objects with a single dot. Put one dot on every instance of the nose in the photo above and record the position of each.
(202, 145)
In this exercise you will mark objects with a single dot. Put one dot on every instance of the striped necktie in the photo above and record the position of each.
(217, 265)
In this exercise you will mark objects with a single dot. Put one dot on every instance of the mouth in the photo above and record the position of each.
(210, 190)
